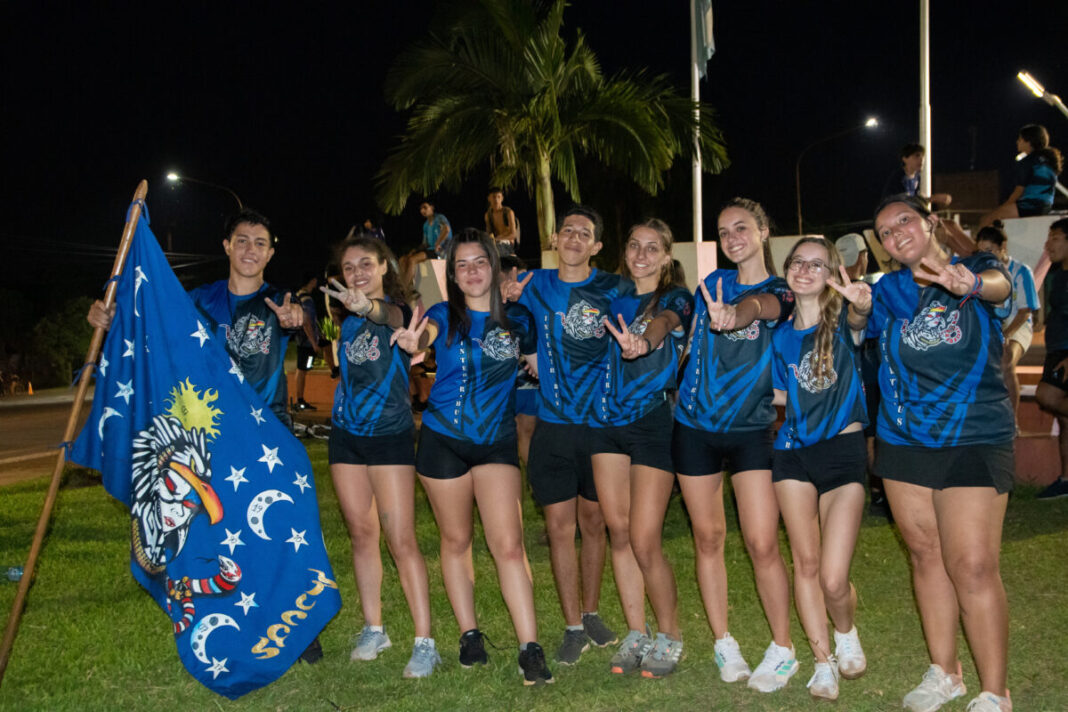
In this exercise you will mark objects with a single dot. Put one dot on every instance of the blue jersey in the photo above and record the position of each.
(817, 408)
(726, 384)
(940, 374)
(372, 396)
(254, 339)
(1039, 180)
(1024, 295)
(638, 386)
(572, 343)
(473, 397)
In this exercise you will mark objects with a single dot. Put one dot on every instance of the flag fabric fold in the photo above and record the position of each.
(224, 519)
(706, 44)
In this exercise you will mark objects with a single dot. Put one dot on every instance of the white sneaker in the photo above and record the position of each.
(851, 661)
(936, 689)
(824, 682)
(989, 702)
(732, 666)
(370, 643)
(775, 670)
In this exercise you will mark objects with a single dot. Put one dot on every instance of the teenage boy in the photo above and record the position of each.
(906, 178)
(569, 305)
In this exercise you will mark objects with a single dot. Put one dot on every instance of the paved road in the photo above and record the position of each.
(29, 435)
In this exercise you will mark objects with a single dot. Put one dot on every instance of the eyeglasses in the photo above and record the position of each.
(811, 266)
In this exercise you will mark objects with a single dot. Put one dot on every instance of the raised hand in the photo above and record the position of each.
(514, 289)
(290, 315)
(352, 299)
(408, 338)
(721, 316)
(858, 293)
(956, 278)
(631, 346)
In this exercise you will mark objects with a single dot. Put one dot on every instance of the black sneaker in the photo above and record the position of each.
(473, 648)
(575, 643)
(532, 665)
(599, 634)
(335, 372)
(1058, 489)
(305, 405)
(313, 653)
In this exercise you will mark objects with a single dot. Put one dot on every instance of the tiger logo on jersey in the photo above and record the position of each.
(582, 321)
(749, 333)
(363, 348)
(249, 335)
(933, 326)
(499, 345)
(805, 373)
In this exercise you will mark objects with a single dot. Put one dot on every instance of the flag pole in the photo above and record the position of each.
(695, 95)
(25, 582)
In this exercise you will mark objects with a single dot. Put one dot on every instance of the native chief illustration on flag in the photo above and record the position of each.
(224, 520)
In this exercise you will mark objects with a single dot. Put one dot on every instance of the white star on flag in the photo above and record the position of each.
(302, 482)
(103, 365)
(248, 600)
(236, 476)
(270, 456)
(129, 348)
(236, 371)
(125, 390)
(218, 666)
(257, 414)
(232, 540)
(201, 333)
(297, 540)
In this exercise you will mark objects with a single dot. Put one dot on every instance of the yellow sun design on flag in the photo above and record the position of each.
(193, 408)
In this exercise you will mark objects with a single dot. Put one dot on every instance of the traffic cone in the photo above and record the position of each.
(29, 388)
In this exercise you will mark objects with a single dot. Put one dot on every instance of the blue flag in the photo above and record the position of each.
(224, 517)
(706, 44)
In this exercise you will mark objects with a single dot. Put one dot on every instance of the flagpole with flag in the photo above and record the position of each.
(701, 48)
(132, 218)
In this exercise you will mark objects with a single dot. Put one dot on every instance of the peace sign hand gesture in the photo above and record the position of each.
(721, 316)
(630, 345)
(408, 338)
(956, 278)
(514, 289)
(290, 316)
(353, 299)
(857, 293)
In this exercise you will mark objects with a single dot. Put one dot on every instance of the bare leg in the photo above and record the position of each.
(560, 521)
(704, 501)
(591, 524)
(650, 491)
(302, 377)
(1010, 357)
(452, 501)
(758, 512)
(800, 513)
(611, 472)
(357, 501)
(841, 511)
(524, 429)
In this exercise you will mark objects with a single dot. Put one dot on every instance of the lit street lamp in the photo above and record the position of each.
(1040, 91)
(175, 178)
(871, 123)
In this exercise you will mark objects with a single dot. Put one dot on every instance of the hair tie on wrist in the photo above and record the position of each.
(977, 287)
(648, 345)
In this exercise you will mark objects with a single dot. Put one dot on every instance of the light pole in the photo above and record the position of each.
(1040, 91)
(175, 178)
(870, 123)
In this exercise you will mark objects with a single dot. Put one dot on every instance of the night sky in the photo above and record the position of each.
(283, 104)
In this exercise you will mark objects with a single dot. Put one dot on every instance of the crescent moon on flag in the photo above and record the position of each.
(257, 509)
(140, 277)
(108, 412)
(203, 629)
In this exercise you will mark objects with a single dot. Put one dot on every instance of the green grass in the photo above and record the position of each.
(91, 639)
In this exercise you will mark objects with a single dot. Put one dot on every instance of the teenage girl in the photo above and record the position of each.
(467, 443)
(1036, 177)
(371, 448)
(723, 420)
(944, 445)
(632, 465)
(821, 454)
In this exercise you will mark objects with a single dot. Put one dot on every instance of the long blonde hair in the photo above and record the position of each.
(830, 303)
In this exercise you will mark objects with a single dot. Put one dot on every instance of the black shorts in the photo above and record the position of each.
(305, 357)
(945, 467)
(828, 464)
(1050, 374)
(526, 401)
(698, 452)
(443, 458)
(344, 448)
(559, 468)
(647, 440)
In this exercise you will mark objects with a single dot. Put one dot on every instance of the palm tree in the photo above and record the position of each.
(499, 84)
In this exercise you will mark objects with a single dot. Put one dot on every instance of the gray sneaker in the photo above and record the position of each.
(631, 651)
(598, 633)
(663, 658)
(574, 645)
(424, 658)
(370, 643)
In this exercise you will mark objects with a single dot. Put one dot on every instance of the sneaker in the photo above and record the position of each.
(313, 653)
(936, 689)
(851, 661)
(473, 648)
(629, 656)
(1058, 489)
(824, 682)
(989, 702)
(732, 666)
(304, 405)
(532, 666)
(775, 670)
(598, 633)
(663, 658)
(574, 645)
(370, 644)
(335, 371)
(424, 658)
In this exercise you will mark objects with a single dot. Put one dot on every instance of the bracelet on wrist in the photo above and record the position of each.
(648, 345)
(977, 288)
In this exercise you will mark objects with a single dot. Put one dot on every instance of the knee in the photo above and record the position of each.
(807, 566)
(835, 585)
(561, 531)
(364, 536)
(708, 540)
(455, 544)
(764, 551)
(646, 549)
(591, 521)
(972, 572)
(925, 551)
(507, 549)
(1047, 397)
(618, 530)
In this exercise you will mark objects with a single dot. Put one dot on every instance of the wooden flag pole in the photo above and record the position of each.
(72, 423)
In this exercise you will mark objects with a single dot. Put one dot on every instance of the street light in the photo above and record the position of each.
(870, 123)
(1040, 91)
(175, 178)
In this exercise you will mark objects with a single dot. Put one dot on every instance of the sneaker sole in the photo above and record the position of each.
(781, 681)
(471, 665)
(650, 675)
(821, 698)
(740, 677)
(595, 644)
(575, 661)
(355, 657)
(853, 675)
(618, 670)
